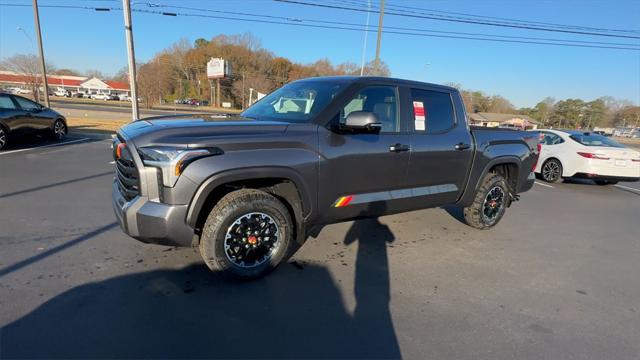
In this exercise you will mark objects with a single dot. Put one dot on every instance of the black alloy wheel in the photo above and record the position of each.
(251, 240)
(493, 204)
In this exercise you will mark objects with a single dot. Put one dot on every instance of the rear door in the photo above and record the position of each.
(441, 147)
(359, 172)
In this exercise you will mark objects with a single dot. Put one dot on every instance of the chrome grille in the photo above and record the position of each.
(126, 172)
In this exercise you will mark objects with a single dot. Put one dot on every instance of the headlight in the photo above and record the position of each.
(172, 161)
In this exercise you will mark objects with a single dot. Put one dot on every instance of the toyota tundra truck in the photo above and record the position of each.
(248, 189)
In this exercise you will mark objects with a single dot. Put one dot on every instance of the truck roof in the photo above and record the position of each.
(374, 79)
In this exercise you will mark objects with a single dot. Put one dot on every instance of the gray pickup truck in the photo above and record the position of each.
(249, 189)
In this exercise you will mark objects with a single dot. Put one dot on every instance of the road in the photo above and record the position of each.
(556, 279)
(123, 107)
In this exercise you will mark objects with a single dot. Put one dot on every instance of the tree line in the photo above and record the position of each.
(604, 111)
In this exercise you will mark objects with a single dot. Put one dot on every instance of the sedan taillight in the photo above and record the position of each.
(592, 156)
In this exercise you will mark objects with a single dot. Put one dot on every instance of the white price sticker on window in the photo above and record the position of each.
(419, 115)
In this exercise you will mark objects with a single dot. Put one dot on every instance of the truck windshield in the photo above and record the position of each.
(299, 101)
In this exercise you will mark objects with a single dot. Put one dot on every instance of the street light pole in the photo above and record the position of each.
(36, 17)
(128, 29)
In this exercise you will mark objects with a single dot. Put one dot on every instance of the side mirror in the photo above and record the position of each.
(362, 121)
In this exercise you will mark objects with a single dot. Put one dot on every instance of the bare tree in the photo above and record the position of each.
(29, 66)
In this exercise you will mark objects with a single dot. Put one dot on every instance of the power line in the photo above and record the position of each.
(477, 22)
(295, 19)
(404, 7)
(359, 29)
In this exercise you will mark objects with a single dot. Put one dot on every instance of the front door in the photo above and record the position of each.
(360, 171)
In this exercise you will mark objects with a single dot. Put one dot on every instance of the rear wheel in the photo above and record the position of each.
(247, 234)
(551, 171)
(489, 204)
(59, 130)
(3, 138)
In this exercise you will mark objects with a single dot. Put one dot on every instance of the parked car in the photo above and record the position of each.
(113, 97)
(101, 96)
(123, 97)
(248, 189)
(21, 115)
(61, 93)
(576, 154)
(78, 95)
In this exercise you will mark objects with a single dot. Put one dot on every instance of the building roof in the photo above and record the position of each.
(497, 117)
(10, 77)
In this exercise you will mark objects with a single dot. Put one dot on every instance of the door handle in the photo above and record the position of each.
(398, 148)
(462, 146)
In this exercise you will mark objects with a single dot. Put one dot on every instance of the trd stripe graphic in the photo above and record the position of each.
(343, 201)
(394, 194)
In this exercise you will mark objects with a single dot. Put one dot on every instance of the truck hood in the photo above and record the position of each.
(198, 131)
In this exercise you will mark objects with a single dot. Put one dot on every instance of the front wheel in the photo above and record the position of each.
(489, 204)
(59, 130)
(247, 234)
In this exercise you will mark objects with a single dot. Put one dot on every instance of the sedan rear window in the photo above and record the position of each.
(595, 140)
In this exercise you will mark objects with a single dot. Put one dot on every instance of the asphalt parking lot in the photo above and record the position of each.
(556, 279)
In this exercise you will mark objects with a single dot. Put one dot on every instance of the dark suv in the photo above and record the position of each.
(21, 115)
(248, 189)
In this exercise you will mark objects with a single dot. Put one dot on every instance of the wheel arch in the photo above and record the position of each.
(508, 166)
(284, 184)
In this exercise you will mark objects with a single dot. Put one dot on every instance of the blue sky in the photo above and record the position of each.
(523, 73)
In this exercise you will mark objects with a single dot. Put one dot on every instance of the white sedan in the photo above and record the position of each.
(577, 154)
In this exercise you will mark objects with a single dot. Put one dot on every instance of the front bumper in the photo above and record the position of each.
(152, 222)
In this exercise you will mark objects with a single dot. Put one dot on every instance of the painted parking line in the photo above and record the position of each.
(43, 146)
(637, 191)
(541, 184)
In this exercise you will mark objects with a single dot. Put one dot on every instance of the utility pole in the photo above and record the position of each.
(36, 17)
(243, 103)
(377, 62)
(128, 29)
(364, 44)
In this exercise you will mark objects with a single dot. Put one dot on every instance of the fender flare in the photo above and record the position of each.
(213, 182)
(467, 197)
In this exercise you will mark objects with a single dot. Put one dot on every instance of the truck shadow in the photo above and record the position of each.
(296, 312)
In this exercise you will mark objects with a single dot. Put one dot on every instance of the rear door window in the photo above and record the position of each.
(432, 111)
(26, 104)
(550, 139)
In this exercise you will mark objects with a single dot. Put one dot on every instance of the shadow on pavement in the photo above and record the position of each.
(42, 187)
(296, 312)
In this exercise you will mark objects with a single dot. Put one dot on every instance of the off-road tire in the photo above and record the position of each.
(233, 206)
(473, 214)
